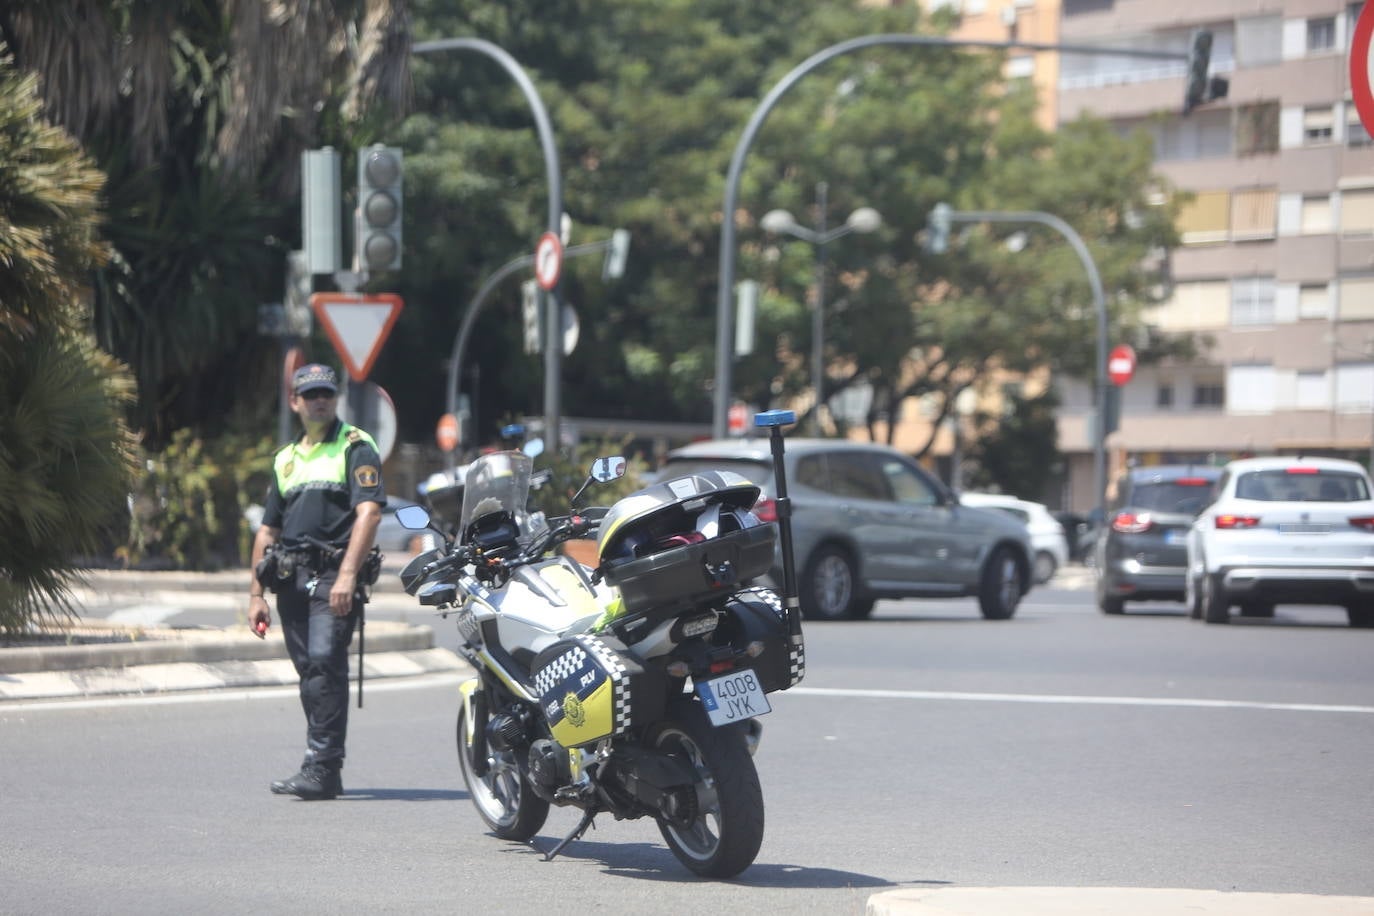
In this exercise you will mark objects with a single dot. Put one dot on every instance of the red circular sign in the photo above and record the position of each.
(548, 260)
(737, 416)
(446, 433)
(1359, 67)
(1121, 364)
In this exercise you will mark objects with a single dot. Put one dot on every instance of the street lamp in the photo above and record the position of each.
(780, 222)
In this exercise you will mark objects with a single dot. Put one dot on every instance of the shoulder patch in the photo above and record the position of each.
(366, 475)
(354, 436)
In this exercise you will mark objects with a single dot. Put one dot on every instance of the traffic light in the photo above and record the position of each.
(1200, 88)
(377, 242)
(937, 229)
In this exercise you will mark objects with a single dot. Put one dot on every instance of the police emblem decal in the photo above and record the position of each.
(290, 466)
(573, 711)
(366, 476)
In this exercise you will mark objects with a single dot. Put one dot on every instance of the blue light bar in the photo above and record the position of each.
(775, 418)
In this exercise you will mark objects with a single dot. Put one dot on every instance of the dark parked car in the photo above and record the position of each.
(869, 522)
(1142, 550)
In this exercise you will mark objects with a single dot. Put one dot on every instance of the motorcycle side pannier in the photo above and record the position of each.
(590, 687)
(756, 615)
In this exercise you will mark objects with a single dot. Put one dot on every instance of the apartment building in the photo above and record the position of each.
(1277, 261)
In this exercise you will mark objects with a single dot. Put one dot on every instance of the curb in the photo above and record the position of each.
(1107, 901)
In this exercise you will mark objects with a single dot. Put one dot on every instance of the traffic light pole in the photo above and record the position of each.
(553, 350)
(725, 316)
(1099, 432)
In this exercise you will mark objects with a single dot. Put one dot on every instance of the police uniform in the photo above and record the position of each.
(313, 493)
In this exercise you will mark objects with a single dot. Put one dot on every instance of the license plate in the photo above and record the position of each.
(733, 697)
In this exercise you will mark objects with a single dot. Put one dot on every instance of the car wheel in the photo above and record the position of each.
(1361, 613)
(1000, 585)
(1192, 595)
(828, 585)
(1108, 604)
(1045, 567)
(1258, 608)
(1216, 607)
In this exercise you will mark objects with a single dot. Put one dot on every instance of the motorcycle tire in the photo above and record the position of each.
(723, 831)
(502, 796)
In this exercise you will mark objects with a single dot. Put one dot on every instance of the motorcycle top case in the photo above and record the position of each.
(591, 688)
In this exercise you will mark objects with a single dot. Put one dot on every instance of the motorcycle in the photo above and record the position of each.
(632, 687)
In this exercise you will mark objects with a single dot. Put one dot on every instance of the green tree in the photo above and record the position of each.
(66, 457)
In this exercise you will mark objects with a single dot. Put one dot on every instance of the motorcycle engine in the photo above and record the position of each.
(549, 765)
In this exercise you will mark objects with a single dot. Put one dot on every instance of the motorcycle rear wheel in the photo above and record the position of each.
(725, 830)
(502, 797)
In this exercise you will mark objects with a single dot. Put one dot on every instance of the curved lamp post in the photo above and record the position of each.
(780, 222)
(553, 349)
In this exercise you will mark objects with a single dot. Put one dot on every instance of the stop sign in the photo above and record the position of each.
(1121, 364)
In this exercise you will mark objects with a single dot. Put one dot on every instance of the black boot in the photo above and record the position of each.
(314, 782)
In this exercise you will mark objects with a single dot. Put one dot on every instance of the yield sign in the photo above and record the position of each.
(357, 325)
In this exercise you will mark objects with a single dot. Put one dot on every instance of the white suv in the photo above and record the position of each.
(1284, 530)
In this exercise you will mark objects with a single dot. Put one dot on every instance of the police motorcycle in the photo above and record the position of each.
(630, 688)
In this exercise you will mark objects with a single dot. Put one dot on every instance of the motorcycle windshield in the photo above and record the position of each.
(499, 482)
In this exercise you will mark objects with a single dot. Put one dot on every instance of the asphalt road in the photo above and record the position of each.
(926, 748)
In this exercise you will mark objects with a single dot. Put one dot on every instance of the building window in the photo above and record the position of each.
(1164, 394)
(1252, 301)
(1321, 34)
(1313, 391)
(1250, 389)
(1254, 213)
(1201, 135)
(1314, 301)
(1354, 386)
(1356, 299)
(1259, 41)
(1209, 392)
(1195, 304)
(1357, 211)
(1257, 129)
(1317, 125)
(1207, 218)
(1316, 214)
(1355, 133)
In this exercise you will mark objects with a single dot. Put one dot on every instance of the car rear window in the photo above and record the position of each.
(756, 472)
(1188, 494)
(1302, 484)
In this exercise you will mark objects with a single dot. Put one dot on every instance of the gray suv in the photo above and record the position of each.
(868, 522)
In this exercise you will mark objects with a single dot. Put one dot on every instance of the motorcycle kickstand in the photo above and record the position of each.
(577, 832)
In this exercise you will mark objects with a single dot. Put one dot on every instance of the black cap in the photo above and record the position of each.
(315, 375)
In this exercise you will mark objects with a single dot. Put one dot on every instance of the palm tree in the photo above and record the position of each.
(66, 457)
(197, 110)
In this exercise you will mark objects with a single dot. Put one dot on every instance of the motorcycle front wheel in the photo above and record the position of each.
(502, 797)
(718, 828)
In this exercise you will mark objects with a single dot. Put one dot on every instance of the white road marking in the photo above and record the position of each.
(224, 696)
(1074, 700)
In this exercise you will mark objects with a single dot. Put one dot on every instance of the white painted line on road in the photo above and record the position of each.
(223, 696)
(1074, 700)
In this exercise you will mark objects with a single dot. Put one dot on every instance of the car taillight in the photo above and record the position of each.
(1363, 522)
(766, 510)
(1130, 523)
(1300, 470)
(1193, 482)
(1237, 521)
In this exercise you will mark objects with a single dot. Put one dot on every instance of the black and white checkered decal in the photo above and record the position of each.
(580, 671)
(796, 654)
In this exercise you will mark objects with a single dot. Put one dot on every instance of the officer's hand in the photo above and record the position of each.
(259, 617)
(341, 595)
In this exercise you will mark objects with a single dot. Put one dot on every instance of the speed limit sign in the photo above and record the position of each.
(548, 260)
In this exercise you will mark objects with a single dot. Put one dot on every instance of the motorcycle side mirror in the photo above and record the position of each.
(602, 470)
(415, 518)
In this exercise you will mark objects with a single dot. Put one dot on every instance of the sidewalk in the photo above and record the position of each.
(119, 646)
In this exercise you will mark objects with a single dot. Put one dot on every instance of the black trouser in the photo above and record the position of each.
(318, 644)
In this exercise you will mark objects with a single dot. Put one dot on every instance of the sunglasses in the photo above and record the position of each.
(316, 394)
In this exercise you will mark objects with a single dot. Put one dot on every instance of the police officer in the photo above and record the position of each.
(323, 508)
